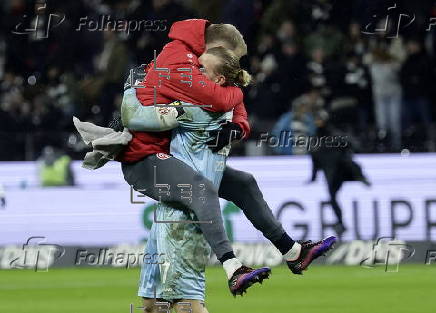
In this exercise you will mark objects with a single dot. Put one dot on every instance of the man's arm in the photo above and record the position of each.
(137, 117)
(240, 117)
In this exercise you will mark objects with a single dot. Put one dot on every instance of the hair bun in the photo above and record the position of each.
(244, 79)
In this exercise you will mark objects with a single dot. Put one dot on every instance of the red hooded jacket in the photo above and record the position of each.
(176, 76)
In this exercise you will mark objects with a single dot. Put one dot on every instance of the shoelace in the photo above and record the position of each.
(310, 244)
(244, 269)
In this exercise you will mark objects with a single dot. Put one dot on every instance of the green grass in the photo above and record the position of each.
(323, 289)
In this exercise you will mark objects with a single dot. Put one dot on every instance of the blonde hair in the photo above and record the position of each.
(229, 35)
(229, 67)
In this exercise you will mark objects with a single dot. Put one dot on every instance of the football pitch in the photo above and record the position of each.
(322, 289)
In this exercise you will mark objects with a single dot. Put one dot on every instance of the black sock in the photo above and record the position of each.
(284, 244)
(227, 256)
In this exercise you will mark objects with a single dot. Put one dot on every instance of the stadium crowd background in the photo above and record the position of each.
(307, 57)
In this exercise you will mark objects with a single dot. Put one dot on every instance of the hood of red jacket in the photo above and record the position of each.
(191, 32)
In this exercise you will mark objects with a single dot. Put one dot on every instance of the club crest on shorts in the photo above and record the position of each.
(163, 156)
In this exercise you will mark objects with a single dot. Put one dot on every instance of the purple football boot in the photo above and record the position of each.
(244, 277)
(309, 252)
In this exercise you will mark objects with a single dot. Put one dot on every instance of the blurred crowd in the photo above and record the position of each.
(365, 66)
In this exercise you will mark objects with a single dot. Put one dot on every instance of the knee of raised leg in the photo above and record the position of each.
(247, 180)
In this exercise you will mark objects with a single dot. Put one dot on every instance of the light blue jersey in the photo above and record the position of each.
(183, 249)
(188, 142)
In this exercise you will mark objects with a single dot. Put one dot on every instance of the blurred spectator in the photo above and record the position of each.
(267, 45)
(278, 12)
(2, 197)
(351, 82)
(317, 72)
(297, 124)
(355, 43)
(417, 80)
(334, 157)
(266, 91)
(387, 96)
(287, 32)
(60, 94)
(326, 38)
(55, 168)
(293, 74)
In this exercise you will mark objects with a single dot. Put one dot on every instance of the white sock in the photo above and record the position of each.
(230, 266)
(294, 253)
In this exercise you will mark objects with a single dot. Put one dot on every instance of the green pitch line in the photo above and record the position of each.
(322, 289)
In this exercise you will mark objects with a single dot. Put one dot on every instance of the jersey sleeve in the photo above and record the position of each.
(240, 117)
(137, 117)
